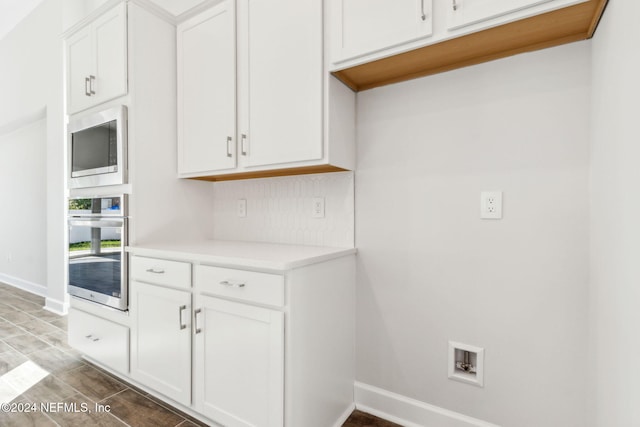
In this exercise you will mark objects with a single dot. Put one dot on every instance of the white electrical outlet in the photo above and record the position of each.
(491, 205)
(318, 207)
(242, 208)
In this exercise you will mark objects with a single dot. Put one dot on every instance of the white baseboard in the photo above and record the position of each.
(409, 412)
(345, 415)
(56, 306)
(51, 304)
(25, 285)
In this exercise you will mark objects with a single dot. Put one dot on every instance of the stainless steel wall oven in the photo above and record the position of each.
(97, 261)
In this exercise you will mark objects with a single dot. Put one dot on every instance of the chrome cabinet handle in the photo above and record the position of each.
(243, 148)
(195, 320)
(423, 16)
(155, 270)
(92, 79)
(87, 92)
(455, 5)
(229, 139)
(180, 310)
(91, 337)
(232, 284)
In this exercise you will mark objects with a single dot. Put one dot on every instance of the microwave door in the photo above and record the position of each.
(97, 149)
(94, 150)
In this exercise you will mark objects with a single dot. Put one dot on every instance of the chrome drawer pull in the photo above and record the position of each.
(243, 148)
(232, 284)
(155, 270)
(229, 139)
(195, 320)
(180, 310)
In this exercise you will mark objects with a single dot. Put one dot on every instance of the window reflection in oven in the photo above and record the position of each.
(95, 254)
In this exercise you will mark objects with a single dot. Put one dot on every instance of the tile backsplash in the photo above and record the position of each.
(279, 210)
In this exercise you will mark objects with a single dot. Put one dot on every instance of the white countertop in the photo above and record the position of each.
(258, 255)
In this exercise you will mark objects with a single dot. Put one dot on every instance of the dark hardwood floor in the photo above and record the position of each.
(362, 419)
(30, 334)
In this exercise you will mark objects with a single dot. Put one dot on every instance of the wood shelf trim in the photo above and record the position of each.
(271, 173)
(554, 28)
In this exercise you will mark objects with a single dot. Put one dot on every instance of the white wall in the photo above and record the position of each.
(615, 213)
(31, 81)
(431, 271)
(23, 225)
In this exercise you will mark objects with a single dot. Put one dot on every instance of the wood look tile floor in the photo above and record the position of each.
(30, 334)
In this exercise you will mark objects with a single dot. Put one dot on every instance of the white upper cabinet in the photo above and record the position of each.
(97, 61)
(207, 91)
(268, 55)
(467, 12)
(281, 115)
(361, 27)
(79, 70)
(380, 42)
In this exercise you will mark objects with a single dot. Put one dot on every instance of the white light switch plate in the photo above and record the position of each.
(491, 205)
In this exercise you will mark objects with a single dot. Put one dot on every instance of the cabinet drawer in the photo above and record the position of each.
(260, 288)
(161, 272)
(100, 339)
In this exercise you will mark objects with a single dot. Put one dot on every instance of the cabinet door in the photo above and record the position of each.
(79, 68)
(239, 363)
(207, 91)
(280, 54)
(161, 340)
(366, 26)
(103, 340)
(468, 12)
(110, 45)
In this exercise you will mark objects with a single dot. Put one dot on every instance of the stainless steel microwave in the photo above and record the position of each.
(98, 149)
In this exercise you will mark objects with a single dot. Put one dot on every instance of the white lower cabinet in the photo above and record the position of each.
(104, 341)
(261, 347)
(235, 350)
(239, 363)
(161, 340)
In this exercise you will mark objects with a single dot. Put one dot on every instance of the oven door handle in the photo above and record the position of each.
(97, 222)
